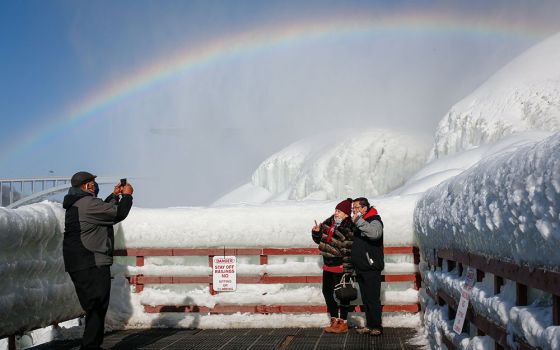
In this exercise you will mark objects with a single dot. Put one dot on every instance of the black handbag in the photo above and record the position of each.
(346, 290)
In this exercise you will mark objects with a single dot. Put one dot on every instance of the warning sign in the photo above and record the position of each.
(464, 302)
(224, 272)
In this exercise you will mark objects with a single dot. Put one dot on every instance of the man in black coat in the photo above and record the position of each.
(88, 247)
(368, 261)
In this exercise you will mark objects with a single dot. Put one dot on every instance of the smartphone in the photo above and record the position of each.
(123, 182)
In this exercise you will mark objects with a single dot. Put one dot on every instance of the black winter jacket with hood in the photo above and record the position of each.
(336, 249)
(367, 250)
(88, 232)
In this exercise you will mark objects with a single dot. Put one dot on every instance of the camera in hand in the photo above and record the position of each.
(123, 182)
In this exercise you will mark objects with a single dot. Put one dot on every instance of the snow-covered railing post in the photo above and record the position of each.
(263, 259)
(12, 342)
(138, 285)
(556, 310)
(211, 265)
(520, 294)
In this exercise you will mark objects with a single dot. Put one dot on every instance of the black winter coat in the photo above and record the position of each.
(88, 232)
(367, 254)
(337, 250)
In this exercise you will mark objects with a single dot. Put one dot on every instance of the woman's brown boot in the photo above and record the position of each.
(341, 326)
(331, 328)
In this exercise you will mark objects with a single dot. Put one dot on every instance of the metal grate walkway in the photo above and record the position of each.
(245, 339)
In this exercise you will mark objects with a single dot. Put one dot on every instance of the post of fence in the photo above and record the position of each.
(139, 287)
(211, 264)
(555, 310)
(498, 283)
(521, 294)
(12, 342)
(480, 275)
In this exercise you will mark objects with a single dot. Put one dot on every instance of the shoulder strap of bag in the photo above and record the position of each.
(346, 279)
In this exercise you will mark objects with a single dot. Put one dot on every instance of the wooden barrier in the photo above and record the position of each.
(139, 281)
(524, 277)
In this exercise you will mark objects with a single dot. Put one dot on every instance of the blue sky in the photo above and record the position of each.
(234, 114)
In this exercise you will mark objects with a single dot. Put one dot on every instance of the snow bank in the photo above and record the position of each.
(446, 167)
(334, 166)
(524, 95)
(506, 206)
(34, 285)
(274, 224)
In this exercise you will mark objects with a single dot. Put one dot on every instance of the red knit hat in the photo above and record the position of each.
(345, 206)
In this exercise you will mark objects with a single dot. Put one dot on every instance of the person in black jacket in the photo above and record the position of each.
(334, 237)
(87, 248)
(368, 261)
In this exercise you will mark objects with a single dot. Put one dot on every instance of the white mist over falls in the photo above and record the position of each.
(203, 133)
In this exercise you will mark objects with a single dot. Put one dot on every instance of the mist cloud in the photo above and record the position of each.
(203, 134)
(194, 137)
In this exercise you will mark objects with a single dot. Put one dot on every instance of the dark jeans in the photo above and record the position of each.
(93, 287)
(370, 289)
(330, 280)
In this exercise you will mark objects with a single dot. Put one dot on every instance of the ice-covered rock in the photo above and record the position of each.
(346, 164)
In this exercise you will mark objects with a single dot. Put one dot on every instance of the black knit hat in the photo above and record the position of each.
(81, 178)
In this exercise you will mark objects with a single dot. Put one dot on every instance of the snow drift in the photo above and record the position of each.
(34, 284)
(505, 206)
(276, 224)
(524, 95)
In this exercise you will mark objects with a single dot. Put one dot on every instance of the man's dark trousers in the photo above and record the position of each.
(370, 290)
(93, 287)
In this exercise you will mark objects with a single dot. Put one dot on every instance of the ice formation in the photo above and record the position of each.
(524, 95)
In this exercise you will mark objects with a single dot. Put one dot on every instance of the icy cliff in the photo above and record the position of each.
(329, 166)
(524, 95)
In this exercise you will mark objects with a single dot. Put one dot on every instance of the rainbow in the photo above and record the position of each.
(258, 40)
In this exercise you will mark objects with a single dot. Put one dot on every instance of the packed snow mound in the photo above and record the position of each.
(524, 95)
(275, 224)
(346, 164)
(446, 167)
(34, 283)
(506, 206)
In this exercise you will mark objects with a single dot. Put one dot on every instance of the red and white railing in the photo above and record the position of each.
(140, 280)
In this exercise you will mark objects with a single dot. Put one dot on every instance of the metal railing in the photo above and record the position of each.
(21, 191)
